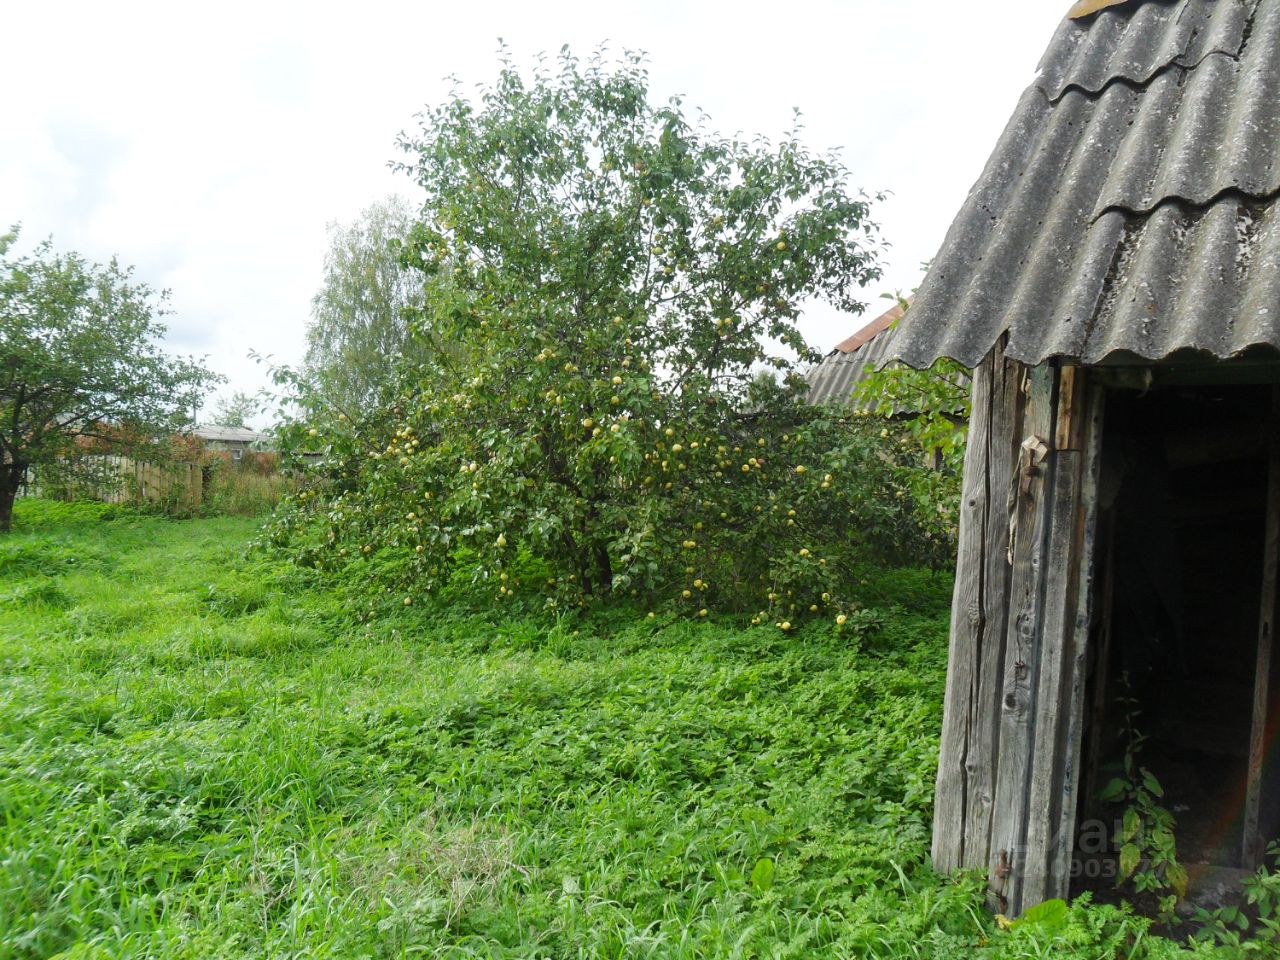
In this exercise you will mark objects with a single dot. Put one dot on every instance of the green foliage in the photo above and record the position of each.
(80, 361)
(933, 406)
(608, 275)
(1252, 927)
(1050, 915)
(239, 408)
(251, 487)
(202, 757)
(1148, 849)
(42, 593)
(45, 514)
(936, 402)
(360, 318)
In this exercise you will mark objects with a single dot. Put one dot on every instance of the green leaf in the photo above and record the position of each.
(1130, 857)
(1151, 783)
(1114, 790)
(1176, 874)
(1163, 842)
(762, 875)
(1048, 915)
(1131, 824)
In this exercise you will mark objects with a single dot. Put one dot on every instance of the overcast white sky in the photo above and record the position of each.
(210, 144)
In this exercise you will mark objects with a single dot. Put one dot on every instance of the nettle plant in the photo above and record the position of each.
(614, 294)
(1147, 855)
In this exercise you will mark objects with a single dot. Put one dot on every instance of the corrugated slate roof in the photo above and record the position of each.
(834, 379)
(873, 329)
(1138, 42)
(217, 432)
(1130, 206)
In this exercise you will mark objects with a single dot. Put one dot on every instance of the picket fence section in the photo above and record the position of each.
(124, 480)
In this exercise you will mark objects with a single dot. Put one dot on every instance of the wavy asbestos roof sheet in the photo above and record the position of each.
(1130, 206)
(835, 378)
(1138, 41)
(217, 432)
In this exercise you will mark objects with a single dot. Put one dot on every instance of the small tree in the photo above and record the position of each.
(237, 409)
(360, 317)
(612, 280)
(80, 363)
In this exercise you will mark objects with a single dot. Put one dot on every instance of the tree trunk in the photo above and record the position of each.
(11, 475)
(604, 569)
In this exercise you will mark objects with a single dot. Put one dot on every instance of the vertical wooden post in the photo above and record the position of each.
(1057, 610)
(1065, 619)
(1022, 654)
(982, 759)
(1087, 514)
(967, 768)
(967, 618)
(1253, 844)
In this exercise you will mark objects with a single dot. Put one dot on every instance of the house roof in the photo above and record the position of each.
(229, 434)
(1130, 207)
(834, 379)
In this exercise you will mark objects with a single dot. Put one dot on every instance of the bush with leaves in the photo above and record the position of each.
(616, 286)
(933, 406)
(82, 369)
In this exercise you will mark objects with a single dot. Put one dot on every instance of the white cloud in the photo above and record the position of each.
(209, 146)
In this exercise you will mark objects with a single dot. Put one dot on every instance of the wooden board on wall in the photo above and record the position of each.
(1022, 612)
(1027, 554)
(1064, 640)
(967, 767)
(967, 622)
(982, 762)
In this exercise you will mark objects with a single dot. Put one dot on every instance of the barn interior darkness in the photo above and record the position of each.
(1179, 582)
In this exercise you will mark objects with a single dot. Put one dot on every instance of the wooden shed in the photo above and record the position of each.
(1114, 279)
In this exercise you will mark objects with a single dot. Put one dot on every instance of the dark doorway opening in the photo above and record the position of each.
(1183, 536)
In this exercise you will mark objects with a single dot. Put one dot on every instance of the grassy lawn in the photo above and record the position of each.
(203, 755)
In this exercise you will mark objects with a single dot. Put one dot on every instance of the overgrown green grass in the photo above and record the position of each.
(245, 490)
(203, 755)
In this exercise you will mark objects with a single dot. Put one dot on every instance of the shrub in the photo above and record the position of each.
(603, 282)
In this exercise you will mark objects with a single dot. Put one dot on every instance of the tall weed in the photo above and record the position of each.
(208, 756)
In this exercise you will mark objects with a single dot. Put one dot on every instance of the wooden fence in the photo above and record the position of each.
(114, 479)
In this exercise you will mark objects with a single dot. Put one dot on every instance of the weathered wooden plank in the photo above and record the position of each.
(1065, 562)
(982, 760)
(1056, 600)
(1101, 659)
(1027, 552)
(1253, 841)
(1068, 415)
(1086, 604)
(1049, 707)
(966, 630)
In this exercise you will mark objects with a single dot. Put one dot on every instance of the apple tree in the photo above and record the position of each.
(81, 364)
(620, 291)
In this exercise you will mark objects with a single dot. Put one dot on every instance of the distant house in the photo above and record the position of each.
(835, 379)
(232, 440)
(846, 368)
